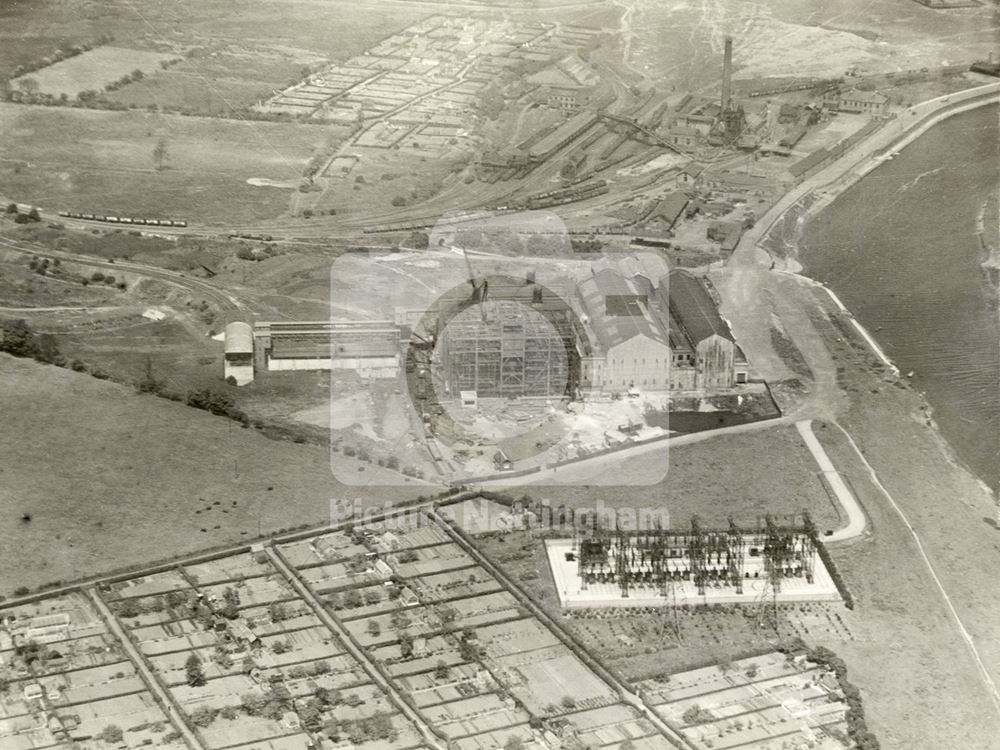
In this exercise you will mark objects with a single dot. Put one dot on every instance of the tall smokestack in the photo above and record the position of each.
(727, 73)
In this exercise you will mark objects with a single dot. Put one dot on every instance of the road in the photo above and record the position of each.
(353, 649)
(856, 519)
(171, 709)
(629, 697)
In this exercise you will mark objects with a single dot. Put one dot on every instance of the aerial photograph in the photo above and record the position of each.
(500, 374)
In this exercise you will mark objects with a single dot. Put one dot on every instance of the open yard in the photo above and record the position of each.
(112, 478)
(102, 162)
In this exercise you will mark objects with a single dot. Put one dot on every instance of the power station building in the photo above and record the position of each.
(656, 334)
(629, 326)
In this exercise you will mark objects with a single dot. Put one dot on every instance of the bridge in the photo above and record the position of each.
(634, 125)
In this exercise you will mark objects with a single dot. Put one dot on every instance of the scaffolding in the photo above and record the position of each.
(508, 351)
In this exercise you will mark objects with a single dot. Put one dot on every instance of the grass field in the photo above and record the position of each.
(29, 32)
(102, 162)
(112, 478)
(93, 69)
(743, 476)
(217, 82)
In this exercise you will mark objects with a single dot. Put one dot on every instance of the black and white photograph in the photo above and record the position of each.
(499, 375)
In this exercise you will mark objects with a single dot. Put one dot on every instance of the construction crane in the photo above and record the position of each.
(480, 286)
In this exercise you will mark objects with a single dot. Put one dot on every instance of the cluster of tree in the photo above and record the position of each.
(203, 716)
(112, 734)
(278, 612)
(58, 54)
(697, 715)
(271, 704)
(824, 555)
(23, 218)
(215, 402)
(18, 339)
(378, 726)
(135, 76)
(281, 647)
(300, 671)
(194, 674)
(468, 646)
(587, 245)
(230, 603)
(857, 726)
(263, 252)
(133, 607)
(408, 556)
(27, 92)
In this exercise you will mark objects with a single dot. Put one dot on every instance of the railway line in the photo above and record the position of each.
(226, 300)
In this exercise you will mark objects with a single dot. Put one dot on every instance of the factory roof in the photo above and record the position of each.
(611, 283)
(690, 304)
(239, 338)
(612, 330)
(669, 210)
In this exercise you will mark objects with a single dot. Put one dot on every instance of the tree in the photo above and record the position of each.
(112, 734)
(137, 75)
(441, 671)
(253, 703)
(160, 152)
(230, 609)
(331, 729)
(203, 716)
(278, 612)
(406, 645)
(34, 215)
(17, 338)
(514, 743)
(311, 715)
(195, 675)
(12, 208)
(28, 86)
(374, 629)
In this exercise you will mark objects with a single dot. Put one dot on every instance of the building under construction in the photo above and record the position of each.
(505, 350)
(505, 338)
(614, 567)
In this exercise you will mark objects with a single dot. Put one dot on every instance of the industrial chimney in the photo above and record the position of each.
(727, 73)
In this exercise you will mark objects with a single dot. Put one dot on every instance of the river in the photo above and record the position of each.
(901, 249)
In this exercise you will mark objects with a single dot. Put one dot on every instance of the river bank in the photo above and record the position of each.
(904, 248)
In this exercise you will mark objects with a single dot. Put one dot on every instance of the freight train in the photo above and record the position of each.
(125, 219)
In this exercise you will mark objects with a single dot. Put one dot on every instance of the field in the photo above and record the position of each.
(93, 70)
(27, 33)
(102, 162)
(746, 477)
(112, 478)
